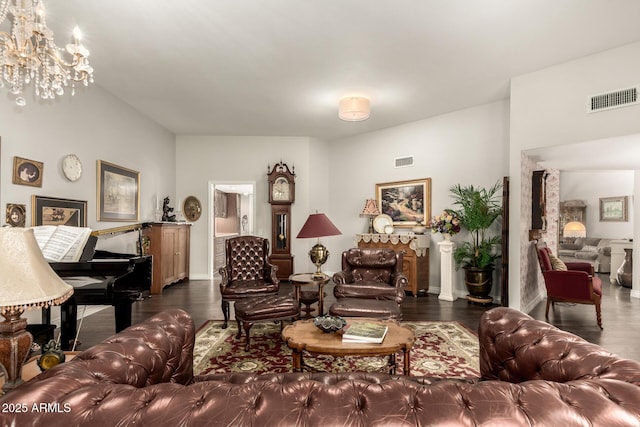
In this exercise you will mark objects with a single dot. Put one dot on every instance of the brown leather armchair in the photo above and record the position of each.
(369, 274)
(248, 272)
(577, 284)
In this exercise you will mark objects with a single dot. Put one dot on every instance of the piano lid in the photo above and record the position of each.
(118, 230)
(119, 239)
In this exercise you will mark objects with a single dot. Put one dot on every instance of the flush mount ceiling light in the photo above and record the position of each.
(29, 54)
(354, 109)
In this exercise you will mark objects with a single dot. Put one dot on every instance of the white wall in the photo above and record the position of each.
(467, 147)
(549, 108)
(204, 159)
(590, 187)
(95, 126)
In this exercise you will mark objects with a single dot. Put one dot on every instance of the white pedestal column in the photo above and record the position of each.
(446, 271)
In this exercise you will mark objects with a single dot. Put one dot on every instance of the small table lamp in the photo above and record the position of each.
(318, 225)
(370, 209)
(27, 281)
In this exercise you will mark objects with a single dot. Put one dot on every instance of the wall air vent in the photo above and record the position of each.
(403, 162)
(616, 99)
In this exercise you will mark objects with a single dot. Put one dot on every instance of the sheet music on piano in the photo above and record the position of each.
(61, 242)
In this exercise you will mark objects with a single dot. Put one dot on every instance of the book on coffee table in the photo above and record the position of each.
(365, 332)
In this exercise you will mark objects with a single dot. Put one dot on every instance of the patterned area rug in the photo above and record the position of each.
(442, 349)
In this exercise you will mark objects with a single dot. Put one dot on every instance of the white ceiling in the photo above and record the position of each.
(279, 67)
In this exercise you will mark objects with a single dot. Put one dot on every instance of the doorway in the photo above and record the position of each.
(231, 214)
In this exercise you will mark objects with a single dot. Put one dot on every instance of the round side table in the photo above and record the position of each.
(309, 297)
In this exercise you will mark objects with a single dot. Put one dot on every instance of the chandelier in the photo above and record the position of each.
(28, 54)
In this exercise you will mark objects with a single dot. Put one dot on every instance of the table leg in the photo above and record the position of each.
(296, 360)
(297, 291)
(320, 299)
(392, 364)
(407, 361)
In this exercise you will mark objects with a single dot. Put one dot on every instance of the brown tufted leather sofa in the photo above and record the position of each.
(532, 374)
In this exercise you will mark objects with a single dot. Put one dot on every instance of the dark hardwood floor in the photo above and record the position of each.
(620, 313)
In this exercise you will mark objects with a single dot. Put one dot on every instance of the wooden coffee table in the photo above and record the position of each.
(303, 335)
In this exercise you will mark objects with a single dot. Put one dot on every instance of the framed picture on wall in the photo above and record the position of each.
(613, 208)
(406, 202)
(27, 172)
(118, 193)
(55, 211)
(16, 215)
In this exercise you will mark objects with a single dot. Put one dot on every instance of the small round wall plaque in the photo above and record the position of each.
(191, 208)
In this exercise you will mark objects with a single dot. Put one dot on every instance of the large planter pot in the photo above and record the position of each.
(479, 282)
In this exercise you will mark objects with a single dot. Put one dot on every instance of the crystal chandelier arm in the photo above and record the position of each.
(28, 53)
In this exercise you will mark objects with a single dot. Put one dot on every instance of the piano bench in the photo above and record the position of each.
(260, 309)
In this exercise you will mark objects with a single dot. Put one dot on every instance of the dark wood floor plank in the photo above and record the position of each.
(620, 313)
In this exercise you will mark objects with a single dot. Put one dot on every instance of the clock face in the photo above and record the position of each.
(281, 189)
(71, 167)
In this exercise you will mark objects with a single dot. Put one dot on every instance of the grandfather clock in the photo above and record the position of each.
(281, 196)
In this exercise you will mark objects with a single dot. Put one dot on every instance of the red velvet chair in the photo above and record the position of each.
(576, 285)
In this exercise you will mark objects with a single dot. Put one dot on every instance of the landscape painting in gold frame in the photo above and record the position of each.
(406, 202)
(118, 193)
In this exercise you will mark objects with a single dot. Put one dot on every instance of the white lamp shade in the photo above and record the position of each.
(574, 229)
(27, 280)
(354, 109)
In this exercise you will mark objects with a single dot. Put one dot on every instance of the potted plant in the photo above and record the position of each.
(477, 208)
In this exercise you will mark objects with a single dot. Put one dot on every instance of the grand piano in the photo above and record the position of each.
(117, 279)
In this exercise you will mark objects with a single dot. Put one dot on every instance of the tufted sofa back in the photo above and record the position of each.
(246, 256)
(372, 265)
(515, 348)
(142, 377)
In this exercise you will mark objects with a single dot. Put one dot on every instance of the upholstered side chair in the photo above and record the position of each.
(247, 272)
(569, 282)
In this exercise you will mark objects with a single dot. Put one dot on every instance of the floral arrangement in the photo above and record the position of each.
(445, 223)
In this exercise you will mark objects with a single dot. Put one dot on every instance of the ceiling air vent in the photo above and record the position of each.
(616, 99)
(403, 162)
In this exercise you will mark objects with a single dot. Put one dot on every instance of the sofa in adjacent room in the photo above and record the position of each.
(594, 250)
(532, 374)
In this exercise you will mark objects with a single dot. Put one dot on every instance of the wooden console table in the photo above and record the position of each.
(415, 255)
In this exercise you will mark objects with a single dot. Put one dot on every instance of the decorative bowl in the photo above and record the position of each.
(329, 323)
